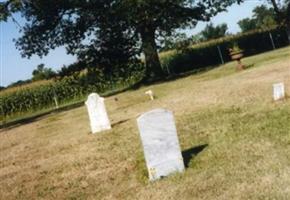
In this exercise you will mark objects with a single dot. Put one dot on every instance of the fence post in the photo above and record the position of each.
(167, 68)
(55, 99)
(272, 41)
(220, 54)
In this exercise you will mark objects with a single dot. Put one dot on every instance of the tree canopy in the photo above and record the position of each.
(263, 17)
(101, 31)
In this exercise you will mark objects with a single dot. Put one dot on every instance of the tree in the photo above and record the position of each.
(114, 45)
(263, 18)
(71, 69)
(70, 23)
(282, 11)
(42, 73)
(2, 88)
(213, 32)
(19, 83)
(247, 24)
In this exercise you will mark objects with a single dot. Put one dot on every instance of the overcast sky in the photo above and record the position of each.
(14, 67)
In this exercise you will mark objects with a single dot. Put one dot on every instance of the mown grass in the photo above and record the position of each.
(238, 141)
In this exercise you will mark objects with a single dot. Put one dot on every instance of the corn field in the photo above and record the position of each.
(23, 100)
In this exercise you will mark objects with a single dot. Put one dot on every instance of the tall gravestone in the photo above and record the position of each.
(160, 143)
(97, 113)
(278, 91)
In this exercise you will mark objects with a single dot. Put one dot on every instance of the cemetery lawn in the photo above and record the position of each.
(235, 141)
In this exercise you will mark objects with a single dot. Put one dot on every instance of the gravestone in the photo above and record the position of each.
(160, 143)
(278, 91)
(97, 113)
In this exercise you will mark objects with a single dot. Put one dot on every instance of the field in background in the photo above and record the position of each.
(236, 141)
(30, 100)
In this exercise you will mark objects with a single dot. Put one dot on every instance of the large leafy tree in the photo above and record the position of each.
(84, 25)
(282, 10)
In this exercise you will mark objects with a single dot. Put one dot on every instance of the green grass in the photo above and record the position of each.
(239, 137)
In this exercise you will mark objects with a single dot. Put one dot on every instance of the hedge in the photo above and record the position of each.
(206, 54)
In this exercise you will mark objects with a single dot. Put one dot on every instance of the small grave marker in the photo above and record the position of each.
(160, 143)
(278, 91)
(97, 113)
(150, 93)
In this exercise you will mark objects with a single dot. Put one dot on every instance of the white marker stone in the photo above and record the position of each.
(150, 93)
(160, 143)
(97, 113)
(278, 91)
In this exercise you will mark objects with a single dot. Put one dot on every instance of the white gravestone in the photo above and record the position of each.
(160, 143)
(278, 91)
(97, 113)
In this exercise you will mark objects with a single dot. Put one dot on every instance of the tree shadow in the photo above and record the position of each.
(170, 78)
(249, 66)
(29, 119)
(188, 154)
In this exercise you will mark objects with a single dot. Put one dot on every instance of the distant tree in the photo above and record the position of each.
(247, 24)
(196, 38)
(213, 32)
(53, 23)
(71, 69)
(19, 83)
(42, 73)
(176, 40)
(2, 87)
(282, 10)
(263, 17)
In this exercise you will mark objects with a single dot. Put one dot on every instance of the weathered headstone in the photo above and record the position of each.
(278, 91)
(160, 143)
(97, 113)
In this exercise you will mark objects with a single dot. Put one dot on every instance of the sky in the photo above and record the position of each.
(13, 67)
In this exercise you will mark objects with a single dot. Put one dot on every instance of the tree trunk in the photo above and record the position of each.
(149, 48)
(281, 16)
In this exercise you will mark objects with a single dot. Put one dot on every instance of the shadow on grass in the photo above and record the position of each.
(36, 117)
(119, 122)
(171, 77)
(188, 154)
(249, 66)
